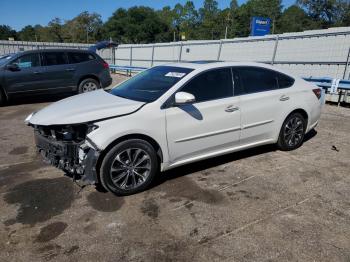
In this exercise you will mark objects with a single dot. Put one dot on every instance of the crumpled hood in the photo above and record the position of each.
(82, 108)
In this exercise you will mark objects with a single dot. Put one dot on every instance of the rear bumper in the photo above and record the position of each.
(77, 160)
(106, 79)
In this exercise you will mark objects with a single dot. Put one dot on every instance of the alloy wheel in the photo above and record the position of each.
(293, 131)
(89, 86)
(130, 168)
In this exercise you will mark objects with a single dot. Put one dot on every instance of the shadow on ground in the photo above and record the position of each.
(36, 99)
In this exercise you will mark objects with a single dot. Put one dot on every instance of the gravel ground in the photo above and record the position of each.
(256, 205)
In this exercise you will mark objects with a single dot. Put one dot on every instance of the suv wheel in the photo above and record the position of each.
(2, 97)
(88, 85)
(292, 132)
(129, 167)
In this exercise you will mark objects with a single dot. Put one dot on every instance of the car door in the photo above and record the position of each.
(263, 104)
(210, 124)
(26, 77)
(58, 73)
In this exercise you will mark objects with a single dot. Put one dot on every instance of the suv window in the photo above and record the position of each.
(78, 57)
(27, 61)
(55, 58)
(214, 84)
(256, 79)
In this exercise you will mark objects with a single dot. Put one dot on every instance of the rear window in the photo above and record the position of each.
(55, 58)
(284, 81)
(78, 57)
(256, 79)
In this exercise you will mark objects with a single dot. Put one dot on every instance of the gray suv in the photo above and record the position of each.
(51, 71)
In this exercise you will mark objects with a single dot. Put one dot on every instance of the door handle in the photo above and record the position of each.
(70, 69)
(231, 108)
(37, 73)
(284, 98)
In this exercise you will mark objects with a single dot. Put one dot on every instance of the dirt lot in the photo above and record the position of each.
(256, 205)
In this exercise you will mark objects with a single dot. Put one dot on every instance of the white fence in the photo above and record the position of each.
(317, 53)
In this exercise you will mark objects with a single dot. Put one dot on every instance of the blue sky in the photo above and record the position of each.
(19, 13)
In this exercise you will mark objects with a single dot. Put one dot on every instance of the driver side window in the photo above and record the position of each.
(210, 85)
(27, 61)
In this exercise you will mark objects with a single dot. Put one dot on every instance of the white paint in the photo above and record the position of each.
(191, 132)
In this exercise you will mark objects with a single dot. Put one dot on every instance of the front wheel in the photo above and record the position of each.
(292, 132)
(129, 167)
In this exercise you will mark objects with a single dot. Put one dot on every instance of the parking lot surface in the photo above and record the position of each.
(257, 205)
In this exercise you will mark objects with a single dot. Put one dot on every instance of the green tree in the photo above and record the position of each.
(265, 8)
(208, 17)
(189, 20)
(328, 12)
(294, 19)
(28, 33)
(230, 15)
(85, 27)
(136, 25)
(55, 30)
(346, 19)
(6, 32)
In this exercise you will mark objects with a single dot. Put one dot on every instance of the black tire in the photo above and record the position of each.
(88, 83)
(2, 97)
(292, 132)
(129, 149)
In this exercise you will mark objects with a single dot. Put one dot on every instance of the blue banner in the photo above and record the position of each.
(260, 26)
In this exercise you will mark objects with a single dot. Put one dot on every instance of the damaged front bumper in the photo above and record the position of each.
(77, 159)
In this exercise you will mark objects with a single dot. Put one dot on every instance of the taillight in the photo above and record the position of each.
(317, 92)
(105, 65)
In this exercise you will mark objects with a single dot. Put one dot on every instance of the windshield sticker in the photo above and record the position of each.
(175, 74)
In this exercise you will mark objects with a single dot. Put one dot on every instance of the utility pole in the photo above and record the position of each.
(89, 29)
(228, 19)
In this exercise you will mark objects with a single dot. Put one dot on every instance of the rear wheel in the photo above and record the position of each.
(88, 85)
(129, 167)
(292, 132)
(2, 97)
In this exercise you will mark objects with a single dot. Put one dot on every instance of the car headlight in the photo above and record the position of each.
(26, 121)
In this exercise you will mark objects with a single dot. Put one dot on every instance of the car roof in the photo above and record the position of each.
(217, 64)
(55, 50)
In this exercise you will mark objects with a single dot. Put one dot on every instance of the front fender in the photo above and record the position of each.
(145, 123)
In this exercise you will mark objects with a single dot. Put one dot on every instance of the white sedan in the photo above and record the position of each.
(172, 115)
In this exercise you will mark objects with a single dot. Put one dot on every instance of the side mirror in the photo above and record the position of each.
(13, 67)
(182, 98)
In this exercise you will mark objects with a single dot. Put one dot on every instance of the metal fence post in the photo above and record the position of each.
(115, 55)
(346, 64)
(180, 53)
(152, 58)
(111, 55)
(274, 51)
(219, 51)
(130, 58)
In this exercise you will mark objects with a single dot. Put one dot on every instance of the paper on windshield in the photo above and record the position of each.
(175, 74)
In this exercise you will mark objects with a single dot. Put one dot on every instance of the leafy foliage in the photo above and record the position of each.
(141, 24)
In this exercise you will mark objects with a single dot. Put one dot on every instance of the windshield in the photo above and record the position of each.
(5, 58)
(149, 85)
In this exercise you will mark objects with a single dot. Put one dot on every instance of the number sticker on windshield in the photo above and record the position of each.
(175, 74)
